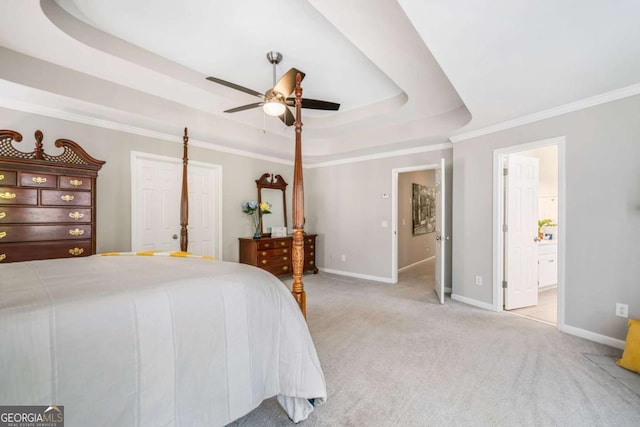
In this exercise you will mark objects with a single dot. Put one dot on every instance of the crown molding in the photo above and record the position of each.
(553, 112)
(396, 153)
(112, 125)
(57, 113)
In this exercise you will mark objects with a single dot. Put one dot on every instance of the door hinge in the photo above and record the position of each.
(505, 228)
(504, 284)
(505, 171)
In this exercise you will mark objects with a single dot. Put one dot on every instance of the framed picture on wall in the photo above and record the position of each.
(424, 209)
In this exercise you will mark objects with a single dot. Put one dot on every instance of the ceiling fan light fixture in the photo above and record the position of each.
(274, 108)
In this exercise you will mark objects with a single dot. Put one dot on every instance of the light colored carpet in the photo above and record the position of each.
(393, 356)
(546, 309)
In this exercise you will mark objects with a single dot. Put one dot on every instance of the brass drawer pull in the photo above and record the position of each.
(266, 245)
(76, 215)
(285, 268)
(311, 262)
(310, 253)
(2, 214)
(264, 253)
(3, 234)
(1, 177)
(75, 182)
(283, 243)
(39, 179)
(311, 247)
(76, 232)
(7, 196)
(285, 258)
(286, 251)
(76, 251)
(264, 261)
(3, 257)
(67, 197)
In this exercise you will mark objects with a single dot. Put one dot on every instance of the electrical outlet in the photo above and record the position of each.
(343, 257)
(622, 310)
(479, 280)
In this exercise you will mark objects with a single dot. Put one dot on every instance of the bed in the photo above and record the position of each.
(150, 339)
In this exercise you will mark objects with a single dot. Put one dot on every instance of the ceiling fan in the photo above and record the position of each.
(276, 101)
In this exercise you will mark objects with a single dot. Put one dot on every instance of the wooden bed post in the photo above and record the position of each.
(298, 208)
(184, 197)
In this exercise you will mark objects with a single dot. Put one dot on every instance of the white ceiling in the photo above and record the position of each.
(407, 73)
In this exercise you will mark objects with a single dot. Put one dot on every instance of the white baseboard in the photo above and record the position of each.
(592, 336)
(571, 330)
(472, 302)
(415, 263)
(358, 275)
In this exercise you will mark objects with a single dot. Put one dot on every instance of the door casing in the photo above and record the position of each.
(215, 216)
(394, 214)
(498, 200)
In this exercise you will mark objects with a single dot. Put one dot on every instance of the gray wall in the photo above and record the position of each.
(344, 205)
(412, 248)
(602, 211)
(114, 180)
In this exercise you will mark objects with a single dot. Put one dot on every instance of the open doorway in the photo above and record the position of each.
(418, 207)
(529, 230)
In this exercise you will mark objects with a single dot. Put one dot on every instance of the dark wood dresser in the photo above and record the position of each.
(274, 254)
(47, 203)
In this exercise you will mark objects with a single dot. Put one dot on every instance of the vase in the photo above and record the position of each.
(256, 225)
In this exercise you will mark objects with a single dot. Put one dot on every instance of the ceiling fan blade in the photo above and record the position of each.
(315, 104)
(287, 117)
(236, 87)
(244, 107)
(287, 83)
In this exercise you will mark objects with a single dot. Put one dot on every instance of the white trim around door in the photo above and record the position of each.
(498, 200)
(216, 213)
(394, 212)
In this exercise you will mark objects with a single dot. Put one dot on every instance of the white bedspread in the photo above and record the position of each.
(152, 341)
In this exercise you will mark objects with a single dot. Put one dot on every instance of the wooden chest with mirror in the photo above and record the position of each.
(274, 253)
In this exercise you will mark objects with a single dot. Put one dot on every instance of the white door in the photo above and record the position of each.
(521, 260)
(440, 231)
(155, 206)
(203, 187)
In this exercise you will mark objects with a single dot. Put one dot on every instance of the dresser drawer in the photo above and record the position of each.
(14, 252)
(277, 269)
(75, 182)
(19, 215)
(274, 252)
(8, 177)
(33, 233)
(274, 243)
(18, 196)
(278, 259)
(42, 180)
(65, 198)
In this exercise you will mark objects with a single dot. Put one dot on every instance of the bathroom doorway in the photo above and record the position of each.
(529, 231)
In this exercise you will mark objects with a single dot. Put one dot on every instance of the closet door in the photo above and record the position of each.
(155, 205)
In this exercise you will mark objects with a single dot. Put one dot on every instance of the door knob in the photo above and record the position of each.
(175, 237)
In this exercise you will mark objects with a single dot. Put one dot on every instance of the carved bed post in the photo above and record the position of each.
(298, 208)
(184, 197)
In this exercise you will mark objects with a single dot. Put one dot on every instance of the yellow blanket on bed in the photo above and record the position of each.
(158, 253)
